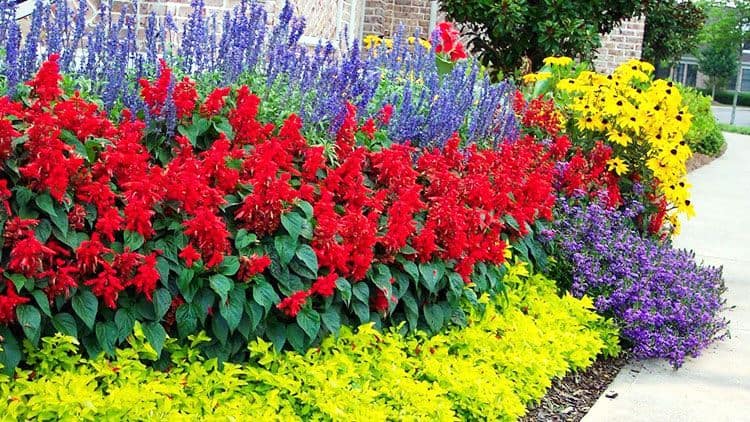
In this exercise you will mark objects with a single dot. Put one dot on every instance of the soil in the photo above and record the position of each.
(699, 160)
(570, 398)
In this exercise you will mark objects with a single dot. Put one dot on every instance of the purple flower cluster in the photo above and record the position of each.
(668, 305)
(240, 47)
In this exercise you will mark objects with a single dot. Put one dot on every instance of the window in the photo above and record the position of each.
(23, 7)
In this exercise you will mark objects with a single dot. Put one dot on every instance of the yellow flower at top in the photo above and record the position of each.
(535, 77)
(558, 61)
(424, 43)
(617, 165)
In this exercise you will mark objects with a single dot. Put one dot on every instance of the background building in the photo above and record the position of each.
(327, 19)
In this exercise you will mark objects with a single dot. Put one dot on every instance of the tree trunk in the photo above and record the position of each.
(713, 91)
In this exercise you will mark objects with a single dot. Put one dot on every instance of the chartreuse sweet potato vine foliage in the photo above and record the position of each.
(492, 369)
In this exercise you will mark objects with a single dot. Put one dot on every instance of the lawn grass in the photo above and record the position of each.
(743, 130)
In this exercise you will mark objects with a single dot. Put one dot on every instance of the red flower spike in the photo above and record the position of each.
(325, 286)
(8, 303)
(293, 304)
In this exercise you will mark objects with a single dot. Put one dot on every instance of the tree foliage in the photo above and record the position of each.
(506, 33)
(672, 29)
(721, 41)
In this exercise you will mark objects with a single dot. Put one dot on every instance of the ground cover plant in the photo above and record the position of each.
(494, 368)
(667, 305)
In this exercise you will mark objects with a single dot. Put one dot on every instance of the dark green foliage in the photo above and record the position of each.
(506, 32)
(672, 29)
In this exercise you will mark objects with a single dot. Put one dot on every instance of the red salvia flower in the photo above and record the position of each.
(293, 304)
(147, 277)
(107, 286)
(189, 255)
(185, 97)
(46, 83)
(214, 102)
(325, 286)
(250, 266)
(8, 303)
(27, 256)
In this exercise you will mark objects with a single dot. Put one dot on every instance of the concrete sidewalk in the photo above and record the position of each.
(716, 385)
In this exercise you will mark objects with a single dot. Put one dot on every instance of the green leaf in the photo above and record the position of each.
(231, 309)
(43, 230)
(362, 310)
(431, 274)
(309, 320)
(44, 202)
(296, 337)
(285, 246)
(457, 283)
(85, 306)
(19, 280)
(106, 335)
(306, 208)
(65, 324)
(221, 284)
(411, 269)
(276, 332)
(185, 284)
(361, 291)
(155, 334)
(30, 320)
(382, 277)
(433, 314)
(265, 296)
(10, 351)
(187, 321)
(60, 220)
(124, 322)
(133, 240)
(306, 254)
(332, 320)
(162, 300)
(411, 310)
(244, 239)
(43, 302)
(219, 329)
(345, 289)
(292, 222)
(229, 266)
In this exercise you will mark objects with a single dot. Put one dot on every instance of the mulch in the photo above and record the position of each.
(699, 160)
(570, 398)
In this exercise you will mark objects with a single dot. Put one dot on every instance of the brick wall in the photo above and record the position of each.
(623, 43)
(383, 17)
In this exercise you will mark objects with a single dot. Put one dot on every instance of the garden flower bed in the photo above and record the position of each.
(232, 209)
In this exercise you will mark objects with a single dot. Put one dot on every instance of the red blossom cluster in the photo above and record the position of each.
(447, 204)
(588, 174)
(538, 113)
(450, 42)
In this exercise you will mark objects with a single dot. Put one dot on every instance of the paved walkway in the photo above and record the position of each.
(716, 385)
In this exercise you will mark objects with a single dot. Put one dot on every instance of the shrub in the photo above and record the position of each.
(704, 135)
(666, 304)
(504, 360)
(240, 228)
(727, 97)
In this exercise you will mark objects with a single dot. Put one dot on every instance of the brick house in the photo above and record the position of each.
(327, 19)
